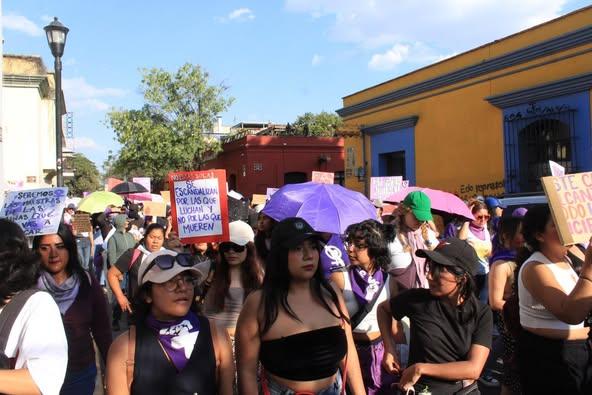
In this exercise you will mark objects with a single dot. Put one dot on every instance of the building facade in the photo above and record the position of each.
(254, 163)
(28, 156)
(483, 122)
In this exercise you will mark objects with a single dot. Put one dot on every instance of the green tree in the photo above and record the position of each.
(323, 124)
(167, 133)
(86, 176)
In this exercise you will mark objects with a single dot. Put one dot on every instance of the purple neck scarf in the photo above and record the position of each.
(365, 285)
(477, 231)
(177, 338)
(503, 254)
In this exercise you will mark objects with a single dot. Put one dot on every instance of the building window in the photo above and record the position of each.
(257, 166)
(295, 177)
(532, 139)
(339, 178)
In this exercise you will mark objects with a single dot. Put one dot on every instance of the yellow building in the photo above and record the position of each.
(484, 122)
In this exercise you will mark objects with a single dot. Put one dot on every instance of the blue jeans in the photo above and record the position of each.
(276, 388)
(83, 247)
(81, 382)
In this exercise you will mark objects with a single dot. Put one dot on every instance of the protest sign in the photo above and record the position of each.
(570, 199)
(556, 169)
(382, 187)
(323, 177)
(37, 211)
(199, 205)
(258, 199)
(166, 196)
(81, 223)
(154, 209)
(270, 191)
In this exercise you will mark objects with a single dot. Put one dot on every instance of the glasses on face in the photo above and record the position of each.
(165, 262)
(225, 247)
(358, 245)
(173, 284)
(483, 217)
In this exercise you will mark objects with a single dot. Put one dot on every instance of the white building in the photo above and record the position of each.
(28, 153)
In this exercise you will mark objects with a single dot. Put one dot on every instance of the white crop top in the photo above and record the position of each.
(370, 322)
(532, 313)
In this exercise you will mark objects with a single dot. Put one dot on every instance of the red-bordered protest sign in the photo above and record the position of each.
(199, 205)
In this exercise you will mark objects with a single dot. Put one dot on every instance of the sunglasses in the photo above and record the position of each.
(225, 247)
(166, 262)
(486, 217)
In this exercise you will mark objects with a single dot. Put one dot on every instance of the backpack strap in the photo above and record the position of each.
(135, 256)
(363, 312)
(10, 312)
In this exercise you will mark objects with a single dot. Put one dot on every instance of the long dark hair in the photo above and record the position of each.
(19, 267)
(251, 276)
(508, 228)
(73, 267)
(276, 285)
(534, 222)
(260, 245)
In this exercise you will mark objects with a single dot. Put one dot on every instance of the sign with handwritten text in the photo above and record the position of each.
(37, 211)
(199, 205)
(154, 209)
(323, 177)
(570, 199)
(382, 187)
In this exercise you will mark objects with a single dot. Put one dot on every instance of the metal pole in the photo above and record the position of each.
(58, 109)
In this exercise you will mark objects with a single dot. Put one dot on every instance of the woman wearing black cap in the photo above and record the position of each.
(450, 328)
(171, 349)
(297, 325)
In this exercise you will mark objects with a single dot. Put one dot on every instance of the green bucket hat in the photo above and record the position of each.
(420, 205)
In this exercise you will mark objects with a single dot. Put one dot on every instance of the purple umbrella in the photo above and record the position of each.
(442, 201)
(326, 207)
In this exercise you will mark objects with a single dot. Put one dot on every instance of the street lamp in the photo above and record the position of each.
(56, 38)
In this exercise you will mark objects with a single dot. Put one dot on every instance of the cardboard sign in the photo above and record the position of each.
(258, 199)
(323, 177)
(166, 196)
(382, 187)
(199, 205)
(154, 209)
(37, 211)
(570, 199)
(81, 223)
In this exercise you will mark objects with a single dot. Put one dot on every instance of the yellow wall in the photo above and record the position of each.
(459, 134)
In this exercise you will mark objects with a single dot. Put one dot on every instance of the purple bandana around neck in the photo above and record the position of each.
(364, 285)
(333, 257)
(477, 231)
(503, 254)
(177, 338)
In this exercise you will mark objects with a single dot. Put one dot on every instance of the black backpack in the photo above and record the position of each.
(7, 318)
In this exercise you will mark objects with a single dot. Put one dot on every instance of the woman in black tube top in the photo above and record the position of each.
(297, 325)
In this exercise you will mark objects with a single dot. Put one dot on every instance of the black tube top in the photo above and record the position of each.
(306, 356)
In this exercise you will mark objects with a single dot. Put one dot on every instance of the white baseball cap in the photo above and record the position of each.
(241, 233)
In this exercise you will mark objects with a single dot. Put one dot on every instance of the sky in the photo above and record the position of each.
(279, 59)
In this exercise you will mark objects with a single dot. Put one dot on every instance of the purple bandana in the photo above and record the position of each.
(334, 257)
(477, 231)
(364, 285)
(503, 254)
(177, 338)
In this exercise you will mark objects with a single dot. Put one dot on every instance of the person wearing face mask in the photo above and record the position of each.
(450, 328)
(172, 349)
(409, 233)
(476, 233)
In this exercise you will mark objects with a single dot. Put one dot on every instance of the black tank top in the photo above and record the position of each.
(155, 375)
(312, 355)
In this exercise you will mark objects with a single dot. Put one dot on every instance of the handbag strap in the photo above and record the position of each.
(10, 312)
(363, 312)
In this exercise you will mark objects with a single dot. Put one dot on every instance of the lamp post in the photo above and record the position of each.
(56, 38)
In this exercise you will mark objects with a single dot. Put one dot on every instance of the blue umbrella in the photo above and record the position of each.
(326, 207)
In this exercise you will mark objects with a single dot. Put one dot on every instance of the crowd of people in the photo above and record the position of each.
(404, 301)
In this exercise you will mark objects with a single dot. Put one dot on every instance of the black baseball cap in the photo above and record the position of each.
(453, 252)
(290, 232)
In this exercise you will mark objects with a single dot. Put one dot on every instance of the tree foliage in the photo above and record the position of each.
(86, 176)
(323, 124)
(167, 133)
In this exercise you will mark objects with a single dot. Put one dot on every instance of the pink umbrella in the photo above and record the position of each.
(441, 201)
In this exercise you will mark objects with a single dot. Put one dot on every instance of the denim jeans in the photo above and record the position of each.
(276, 388)
(81, 382)
(83, 247)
